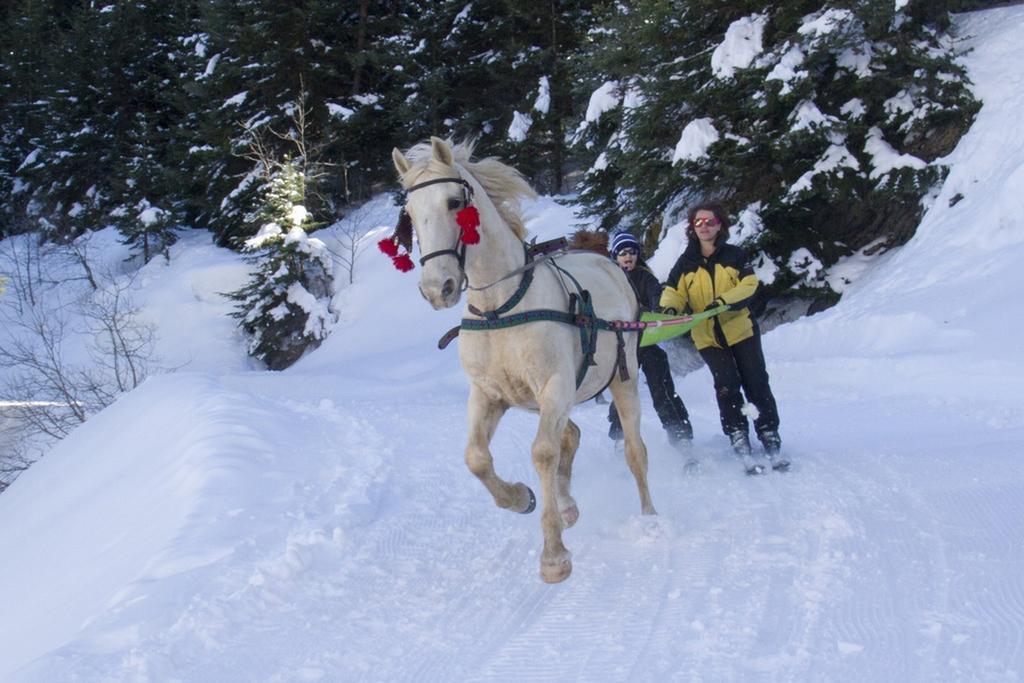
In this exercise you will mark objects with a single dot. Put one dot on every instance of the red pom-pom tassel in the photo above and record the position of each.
(403, 263)
(388, 247)
(468, 219)
(470, 236)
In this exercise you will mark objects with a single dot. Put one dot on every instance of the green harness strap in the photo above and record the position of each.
(580, 315)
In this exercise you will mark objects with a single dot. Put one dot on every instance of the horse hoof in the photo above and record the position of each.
(532, 504)
(570, 515)
(556, 572)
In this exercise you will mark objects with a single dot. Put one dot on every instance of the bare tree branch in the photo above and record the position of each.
(44, 394)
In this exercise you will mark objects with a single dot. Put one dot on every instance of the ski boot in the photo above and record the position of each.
(741, 447)
(682, 442)
(772, 447)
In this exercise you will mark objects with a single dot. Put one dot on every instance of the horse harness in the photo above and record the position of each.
(580, 312)
(581, 309)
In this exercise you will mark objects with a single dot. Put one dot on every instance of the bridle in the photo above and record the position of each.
(458, 250)
(398, 247)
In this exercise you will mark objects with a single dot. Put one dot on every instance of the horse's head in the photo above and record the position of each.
(436, 193)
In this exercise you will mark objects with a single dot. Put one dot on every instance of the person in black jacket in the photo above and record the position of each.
(625, 249)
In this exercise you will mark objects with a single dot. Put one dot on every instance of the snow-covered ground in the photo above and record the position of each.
(226, 524)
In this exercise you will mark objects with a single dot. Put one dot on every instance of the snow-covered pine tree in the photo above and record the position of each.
(28, 33)
(545, 37)
(626, 51)
(152, 192)
(495, 71)
(364, 96)
(149, 229)
(260, 57)
(248, 66)
(63, 178)
(817, 121)
(285, 307)
(862, 98)
(104, 106)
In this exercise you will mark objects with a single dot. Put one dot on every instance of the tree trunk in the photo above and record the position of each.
(558, 151)
(357, 78)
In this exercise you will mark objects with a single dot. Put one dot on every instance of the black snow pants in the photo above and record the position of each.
(742, 366)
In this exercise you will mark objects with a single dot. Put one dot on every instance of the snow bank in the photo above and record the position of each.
(126, 503)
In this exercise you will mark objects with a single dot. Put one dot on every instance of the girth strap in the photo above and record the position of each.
(588, 325)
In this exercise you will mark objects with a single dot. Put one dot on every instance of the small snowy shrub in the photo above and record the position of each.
(285, 307)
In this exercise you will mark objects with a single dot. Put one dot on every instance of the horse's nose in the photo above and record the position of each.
(448, 288)
(423, 294)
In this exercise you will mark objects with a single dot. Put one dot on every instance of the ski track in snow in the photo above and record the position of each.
(824, 573)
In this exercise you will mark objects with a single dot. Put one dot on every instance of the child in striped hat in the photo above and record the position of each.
(626, 251)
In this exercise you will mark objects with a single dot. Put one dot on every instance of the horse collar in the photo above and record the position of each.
(516, 297)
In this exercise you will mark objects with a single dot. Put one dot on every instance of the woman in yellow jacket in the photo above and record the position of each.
(710, 274)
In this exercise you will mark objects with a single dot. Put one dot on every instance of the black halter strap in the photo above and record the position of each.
(467, 191)
(458, 252)
(435, 181)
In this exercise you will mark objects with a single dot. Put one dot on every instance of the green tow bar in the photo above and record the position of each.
(657, 327)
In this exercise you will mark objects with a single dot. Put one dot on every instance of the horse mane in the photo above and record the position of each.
(503, 184)
(590, 240)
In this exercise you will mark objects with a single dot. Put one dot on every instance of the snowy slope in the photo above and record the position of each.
(226, 524)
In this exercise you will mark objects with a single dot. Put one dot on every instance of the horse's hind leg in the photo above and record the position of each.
(566, 504)
(484, 415)
(627, 401)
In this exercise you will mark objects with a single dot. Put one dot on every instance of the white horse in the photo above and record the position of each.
(533, 365)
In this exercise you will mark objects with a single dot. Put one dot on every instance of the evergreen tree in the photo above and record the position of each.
(364, 98)
(260, 58)
(550, 35)
(150, 199)
(285, 306)
(816, 121)
(104, 110)
(633, 52)
(63, 177)
(496, 71)
(28, 32)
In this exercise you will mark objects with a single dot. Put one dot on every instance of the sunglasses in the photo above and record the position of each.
(627, 251)
(698, 222)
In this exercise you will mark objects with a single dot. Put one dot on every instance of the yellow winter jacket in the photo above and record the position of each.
(695, 282)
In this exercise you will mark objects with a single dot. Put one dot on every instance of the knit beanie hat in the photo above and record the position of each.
(621, 240)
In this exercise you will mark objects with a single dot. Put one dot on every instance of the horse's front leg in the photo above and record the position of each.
(484, 414)
(555, 560)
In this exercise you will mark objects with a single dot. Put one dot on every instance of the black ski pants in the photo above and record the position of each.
(667, 404)
(736, 367)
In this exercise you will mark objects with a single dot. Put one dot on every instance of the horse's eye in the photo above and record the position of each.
(454, 204)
